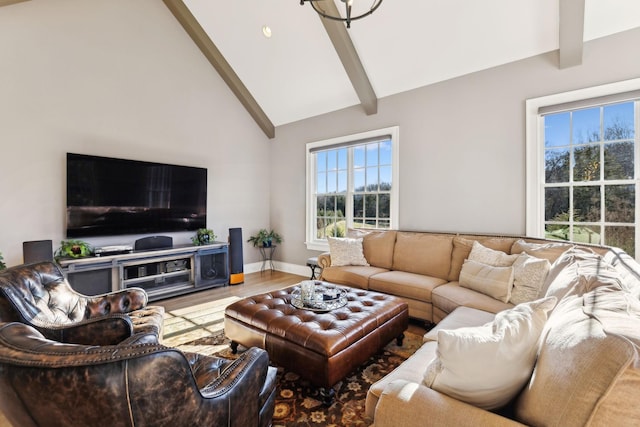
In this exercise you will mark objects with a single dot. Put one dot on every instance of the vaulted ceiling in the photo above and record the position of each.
(310, 66)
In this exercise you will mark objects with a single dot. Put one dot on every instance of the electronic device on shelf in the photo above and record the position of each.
(113, 250)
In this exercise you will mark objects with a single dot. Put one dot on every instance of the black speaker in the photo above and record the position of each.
(37, 250)
(153, 242)
(236, 263)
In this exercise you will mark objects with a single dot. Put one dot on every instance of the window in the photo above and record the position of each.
(587, 180)
(352, 182)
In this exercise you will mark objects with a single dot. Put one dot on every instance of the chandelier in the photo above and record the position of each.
(325, 12)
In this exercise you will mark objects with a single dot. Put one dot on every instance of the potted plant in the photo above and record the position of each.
(2, 264)
(203, 236)
(73, 249)
(265, 238)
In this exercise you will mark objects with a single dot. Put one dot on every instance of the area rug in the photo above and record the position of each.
(200, 329)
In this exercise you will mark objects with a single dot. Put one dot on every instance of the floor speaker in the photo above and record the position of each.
(236, 261)
(37, 250)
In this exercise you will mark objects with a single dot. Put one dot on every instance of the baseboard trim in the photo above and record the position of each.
(300, 270)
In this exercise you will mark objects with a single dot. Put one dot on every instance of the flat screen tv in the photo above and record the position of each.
(107, 197)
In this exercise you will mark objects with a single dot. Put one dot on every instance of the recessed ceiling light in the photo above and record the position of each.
(266, 31)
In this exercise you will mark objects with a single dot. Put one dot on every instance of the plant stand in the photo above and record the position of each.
(267, 257)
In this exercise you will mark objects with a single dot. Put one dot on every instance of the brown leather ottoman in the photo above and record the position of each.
(321, 347)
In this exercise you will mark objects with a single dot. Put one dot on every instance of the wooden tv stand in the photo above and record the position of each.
(162, 273)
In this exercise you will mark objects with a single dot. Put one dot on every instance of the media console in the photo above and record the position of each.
(162, 272)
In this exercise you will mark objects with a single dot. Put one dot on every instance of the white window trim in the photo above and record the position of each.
(534, 214)
(394, 131)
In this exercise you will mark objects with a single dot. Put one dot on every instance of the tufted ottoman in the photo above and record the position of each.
(321, 347)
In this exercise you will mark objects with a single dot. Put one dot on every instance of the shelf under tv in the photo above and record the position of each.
(161, 272)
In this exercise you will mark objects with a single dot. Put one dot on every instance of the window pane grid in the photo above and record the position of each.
(367, 187)
(590, 188)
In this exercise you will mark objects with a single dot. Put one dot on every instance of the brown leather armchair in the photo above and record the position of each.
(47, 383)
(39, 295)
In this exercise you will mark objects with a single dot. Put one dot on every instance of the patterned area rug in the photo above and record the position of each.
(200, 329)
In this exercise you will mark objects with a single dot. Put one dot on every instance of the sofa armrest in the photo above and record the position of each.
(206, 369)
(108, 330)
(324, 260)
(237, 380)
(408, 404)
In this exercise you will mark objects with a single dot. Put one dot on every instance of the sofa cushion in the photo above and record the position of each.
(461, 250)
(403, 284)
(346, 251)
(628, 269)
(423, 253)
(548, 251)
(487, 366)
(588, 368)
(529, 275)
(459, 318)
(579, 271)
(351, 275)
(377, 246)
(486, 279)
(462, 246)
(451, 295)
(411, 370)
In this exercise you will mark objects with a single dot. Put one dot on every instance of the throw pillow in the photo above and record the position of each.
(550, 251)
(493, 281)
(481, 253)
(346, 251)
(529, 275)
(487, 366)
(462, 248)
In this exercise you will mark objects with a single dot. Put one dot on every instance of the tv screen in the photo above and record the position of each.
(107, 197)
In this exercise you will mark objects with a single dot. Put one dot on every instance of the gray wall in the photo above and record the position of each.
(121, 78)
(117, 78)
(462, 143)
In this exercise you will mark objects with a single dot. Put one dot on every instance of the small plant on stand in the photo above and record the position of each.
(204, 236)
(73, 249)
(2, 264)
(265, 238)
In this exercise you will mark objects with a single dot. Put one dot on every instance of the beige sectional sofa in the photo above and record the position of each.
(586, 364)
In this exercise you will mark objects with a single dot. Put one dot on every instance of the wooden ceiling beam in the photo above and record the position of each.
(213, 54)
(8, 2)
(347, 53)
(571, 33)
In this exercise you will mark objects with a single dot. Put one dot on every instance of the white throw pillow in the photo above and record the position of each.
(487, 366)
(346, 251)
(550, 251)
(484, 278)
(529, 275)
(490, 256)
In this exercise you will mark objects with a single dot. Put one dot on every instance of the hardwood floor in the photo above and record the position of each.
(254, 283)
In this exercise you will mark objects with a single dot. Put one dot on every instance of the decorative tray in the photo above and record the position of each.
(326, 298)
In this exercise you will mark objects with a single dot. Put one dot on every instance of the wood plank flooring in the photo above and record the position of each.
(254, 283)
